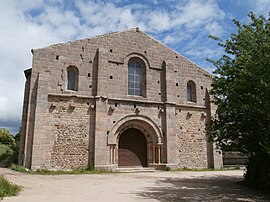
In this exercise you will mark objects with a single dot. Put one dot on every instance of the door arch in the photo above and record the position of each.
(132, 149)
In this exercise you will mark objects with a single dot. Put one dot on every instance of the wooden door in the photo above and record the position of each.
(132, 149)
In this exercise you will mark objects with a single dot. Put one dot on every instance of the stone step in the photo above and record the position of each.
(134, 170)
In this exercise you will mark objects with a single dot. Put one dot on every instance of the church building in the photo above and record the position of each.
(119, 100)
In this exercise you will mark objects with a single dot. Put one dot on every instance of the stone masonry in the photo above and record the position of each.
(81, 96)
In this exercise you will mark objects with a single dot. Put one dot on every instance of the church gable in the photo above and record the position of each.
(109, 55)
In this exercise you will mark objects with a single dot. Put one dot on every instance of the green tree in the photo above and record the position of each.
(15, 155)
(9, 147)
(5, 152)
(6, 138)
(241, 91)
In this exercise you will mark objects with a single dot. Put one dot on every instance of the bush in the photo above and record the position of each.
(18, 168)
(167, 168)
(6, 138)
(258, 172)
(9, 147)
(5, 155)
(7, 188)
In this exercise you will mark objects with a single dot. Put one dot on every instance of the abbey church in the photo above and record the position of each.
(119, 100)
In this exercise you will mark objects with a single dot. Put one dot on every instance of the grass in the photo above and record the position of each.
(57, 172)
(195, 169)
(93, 171)
(7, 188)
(71, 172)
(206, 169)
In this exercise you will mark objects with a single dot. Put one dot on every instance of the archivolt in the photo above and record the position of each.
(144, 124)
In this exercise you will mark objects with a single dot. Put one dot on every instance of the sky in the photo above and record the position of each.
(183, 25)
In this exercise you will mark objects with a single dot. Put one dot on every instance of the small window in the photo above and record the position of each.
(191, 91)
(72, 78)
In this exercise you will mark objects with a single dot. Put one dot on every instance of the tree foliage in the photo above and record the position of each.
(6, 138)
(9, 147)
(5, 152)
(241, 91)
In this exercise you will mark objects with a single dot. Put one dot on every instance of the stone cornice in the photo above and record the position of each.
(172, 104)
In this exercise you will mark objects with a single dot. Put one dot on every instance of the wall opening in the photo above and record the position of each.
(132, 151)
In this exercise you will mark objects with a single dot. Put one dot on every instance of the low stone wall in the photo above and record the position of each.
(234, 158)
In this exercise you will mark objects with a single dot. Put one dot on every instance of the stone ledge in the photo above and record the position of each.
(156, 102)
(71, 95)
(127, 100)
(134, 169)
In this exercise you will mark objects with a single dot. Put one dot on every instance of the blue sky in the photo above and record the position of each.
(183, 25)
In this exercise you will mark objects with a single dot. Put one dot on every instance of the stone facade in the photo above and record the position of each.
(80, 97)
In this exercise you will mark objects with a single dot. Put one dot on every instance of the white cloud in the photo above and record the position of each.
(169, 39)
(214, 28)
(19, 34)
(196, 12)
(152, 19)
(261, 6)
(188, 19)
(3, 102)
(202, 52)
(159, 21)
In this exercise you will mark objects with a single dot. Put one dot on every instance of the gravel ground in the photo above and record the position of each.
(147, 186)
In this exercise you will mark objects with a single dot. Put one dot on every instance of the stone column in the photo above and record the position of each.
(111, 154)
(41, 143)
(159, 153)
(102, 150)
(154, 154)
(171, 137)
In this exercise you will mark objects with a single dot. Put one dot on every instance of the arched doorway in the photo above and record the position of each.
(132, 149)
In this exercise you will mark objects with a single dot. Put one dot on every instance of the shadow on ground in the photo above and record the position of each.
(218, 188)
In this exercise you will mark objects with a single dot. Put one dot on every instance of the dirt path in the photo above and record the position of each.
(154, 186)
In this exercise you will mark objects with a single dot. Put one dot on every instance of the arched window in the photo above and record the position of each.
(191, 91)
(136, 78)
(72, 78)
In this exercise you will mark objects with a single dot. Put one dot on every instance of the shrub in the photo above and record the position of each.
(167, 168)
(9, 147)
(18, 168)
(5, 155)
(258, 172)
(6, 138)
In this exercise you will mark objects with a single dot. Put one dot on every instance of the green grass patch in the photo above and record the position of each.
(7, 188)
(71, 172)
(58, 172)
(204, 169)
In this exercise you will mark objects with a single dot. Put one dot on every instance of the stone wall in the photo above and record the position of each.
(192, 138)
(69, 123)
(106, 58)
